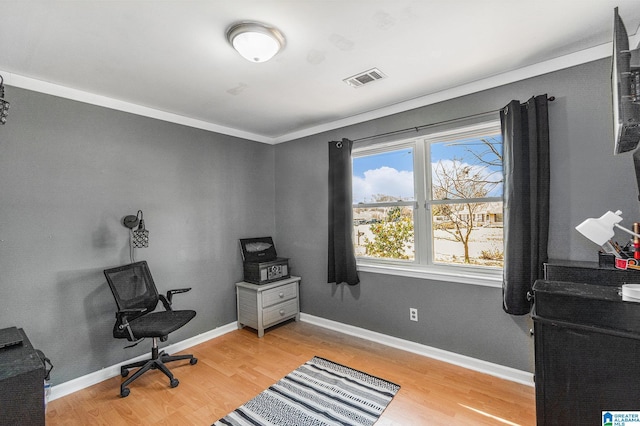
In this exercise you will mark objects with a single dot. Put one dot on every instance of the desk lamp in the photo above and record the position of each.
(601, 230)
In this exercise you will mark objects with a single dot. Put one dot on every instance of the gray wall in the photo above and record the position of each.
(69, 172)
(587, 180)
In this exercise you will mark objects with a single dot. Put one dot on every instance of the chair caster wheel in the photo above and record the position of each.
(124, 372)
(193, 361)
(124, 392)
(174, 382)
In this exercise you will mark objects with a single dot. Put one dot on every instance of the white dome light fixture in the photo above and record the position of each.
(256, 42)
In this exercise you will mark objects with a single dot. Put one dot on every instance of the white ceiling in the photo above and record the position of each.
(170, 59)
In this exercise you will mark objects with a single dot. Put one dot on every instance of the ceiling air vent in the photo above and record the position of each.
(374, 74)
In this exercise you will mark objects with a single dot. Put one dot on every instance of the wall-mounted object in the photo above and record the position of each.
(625, 90)
(4, 105)
(625, 85)
(140, 236)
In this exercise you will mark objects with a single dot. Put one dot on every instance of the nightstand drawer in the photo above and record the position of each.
(276, 313)
(279, 294)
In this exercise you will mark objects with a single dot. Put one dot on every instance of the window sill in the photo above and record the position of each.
(486, 279)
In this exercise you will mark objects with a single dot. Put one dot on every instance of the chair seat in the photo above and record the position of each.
(159, 324)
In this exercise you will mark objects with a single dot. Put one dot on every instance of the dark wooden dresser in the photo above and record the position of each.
(21, 385)
(587, 344)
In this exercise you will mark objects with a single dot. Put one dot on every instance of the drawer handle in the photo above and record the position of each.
(281, 311)
(281, 295)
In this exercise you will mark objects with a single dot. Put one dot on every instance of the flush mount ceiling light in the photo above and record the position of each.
(256, 42)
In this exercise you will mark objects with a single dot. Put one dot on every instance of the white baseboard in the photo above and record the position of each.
(464, 361)
(91, 379)
(481, 366)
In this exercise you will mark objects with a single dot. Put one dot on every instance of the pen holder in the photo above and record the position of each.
(606, 260)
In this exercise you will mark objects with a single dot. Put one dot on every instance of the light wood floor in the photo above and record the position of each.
(237, 366)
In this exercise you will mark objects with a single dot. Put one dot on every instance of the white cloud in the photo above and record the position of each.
(385, 180)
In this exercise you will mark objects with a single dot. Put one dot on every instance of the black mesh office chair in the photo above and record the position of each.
(137, 297)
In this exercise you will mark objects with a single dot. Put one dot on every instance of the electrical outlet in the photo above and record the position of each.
(413, 314)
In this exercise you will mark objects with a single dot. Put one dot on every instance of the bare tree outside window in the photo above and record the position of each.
(459, 185)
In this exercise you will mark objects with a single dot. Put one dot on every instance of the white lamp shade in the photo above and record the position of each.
(256, 47)
(600, 230)
(254, 41)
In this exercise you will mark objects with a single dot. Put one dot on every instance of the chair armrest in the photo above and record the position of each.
(166, 301)
(170, 293)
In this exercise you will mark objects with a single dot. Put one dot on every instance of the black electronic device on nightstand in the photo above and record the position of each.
(261, 262)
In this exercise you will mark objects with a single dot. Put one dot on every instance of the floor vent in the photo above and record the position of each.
(358, 80)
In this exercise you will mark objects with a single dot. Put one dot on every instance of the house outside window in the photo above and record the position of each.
(431, 204)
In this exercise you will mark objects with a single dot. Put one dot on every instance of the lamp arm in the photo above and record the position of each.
(628, 231)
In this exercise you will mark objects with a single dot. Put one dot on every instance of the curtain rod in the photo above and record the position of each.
(426, 126)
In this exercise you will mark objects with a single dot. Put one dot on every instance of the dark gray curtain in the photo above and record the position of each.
(342, 260)
(525, 132)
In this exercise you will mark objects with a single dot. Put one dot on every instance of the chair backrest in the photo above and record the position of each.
(132, 286)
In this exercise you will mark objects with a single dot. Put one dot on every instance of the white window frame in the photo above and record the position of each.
(422, 266)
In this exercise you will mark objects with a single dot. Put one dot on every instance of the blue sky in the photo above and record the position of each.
(391, 173)
(399, 160)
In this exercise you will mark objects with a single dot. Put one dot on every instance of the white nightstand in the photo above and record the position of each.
(263, 305)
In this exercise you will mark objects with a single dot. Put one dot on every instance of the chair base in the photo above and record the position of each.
(157, 362)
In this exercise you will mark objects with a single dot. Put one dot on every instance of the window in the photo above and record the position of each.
(431, 203)
(384, 201)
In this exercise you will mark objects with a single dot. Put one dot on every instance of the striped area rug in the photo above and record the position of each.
(319, 392)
